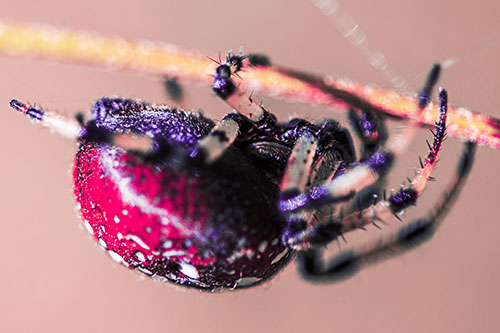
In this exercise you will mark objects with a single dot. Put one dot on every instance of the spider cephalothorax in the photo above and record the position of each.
(228, 205)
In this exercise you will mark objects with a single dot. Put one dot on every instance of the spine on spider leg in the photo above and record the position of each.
(404, 197)
(63, 126)
(439, 135)
(411, 235)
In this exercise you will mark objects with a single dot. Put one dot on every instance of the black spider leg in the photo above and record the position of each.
(367, 172)
(332, 158)
(349, 262)
(369, 126)
(158, 134)
(299, 235)
(371, 131)
(299, 185)
(57, 123)
(228, 129)
(134, 144)
(174, 89)
(219, 139)
(224, 87)
(294, 183)
(78, 129)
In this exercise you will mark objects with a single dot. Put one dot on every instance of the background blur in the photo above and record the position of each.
(54, 279)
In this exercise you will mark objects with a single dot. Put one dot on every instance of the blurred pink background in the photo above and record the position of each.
(54, 279)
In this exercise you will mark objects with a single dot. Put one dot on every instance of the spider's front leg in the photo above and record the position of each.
(73, 129)
(69, 128)
(153, 131)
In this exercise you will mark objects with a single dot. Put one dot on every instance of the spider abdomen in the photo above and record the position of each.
(208, 227)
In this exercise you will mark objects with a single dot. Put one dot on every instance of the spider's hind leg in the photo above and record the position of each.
(313, 267)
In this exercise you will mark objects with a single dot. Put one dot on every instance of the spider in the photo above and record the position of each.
(228, 205)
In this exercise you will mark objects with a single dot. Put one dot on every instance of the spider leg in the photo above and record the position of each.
(174, 89)
(328, 230)
(224, 134)
(215, 143)
(367, 173)
(221, 137)
(299, 164)
(156, 124)
(324, 168)
(294, 183)
(75, 128)
(370, 129)
(350, 261)
(68, 128)
(225, 87)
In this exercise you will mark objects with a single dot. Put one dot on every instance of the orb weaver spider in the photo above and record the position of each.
(229, 205)
(362, 117)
